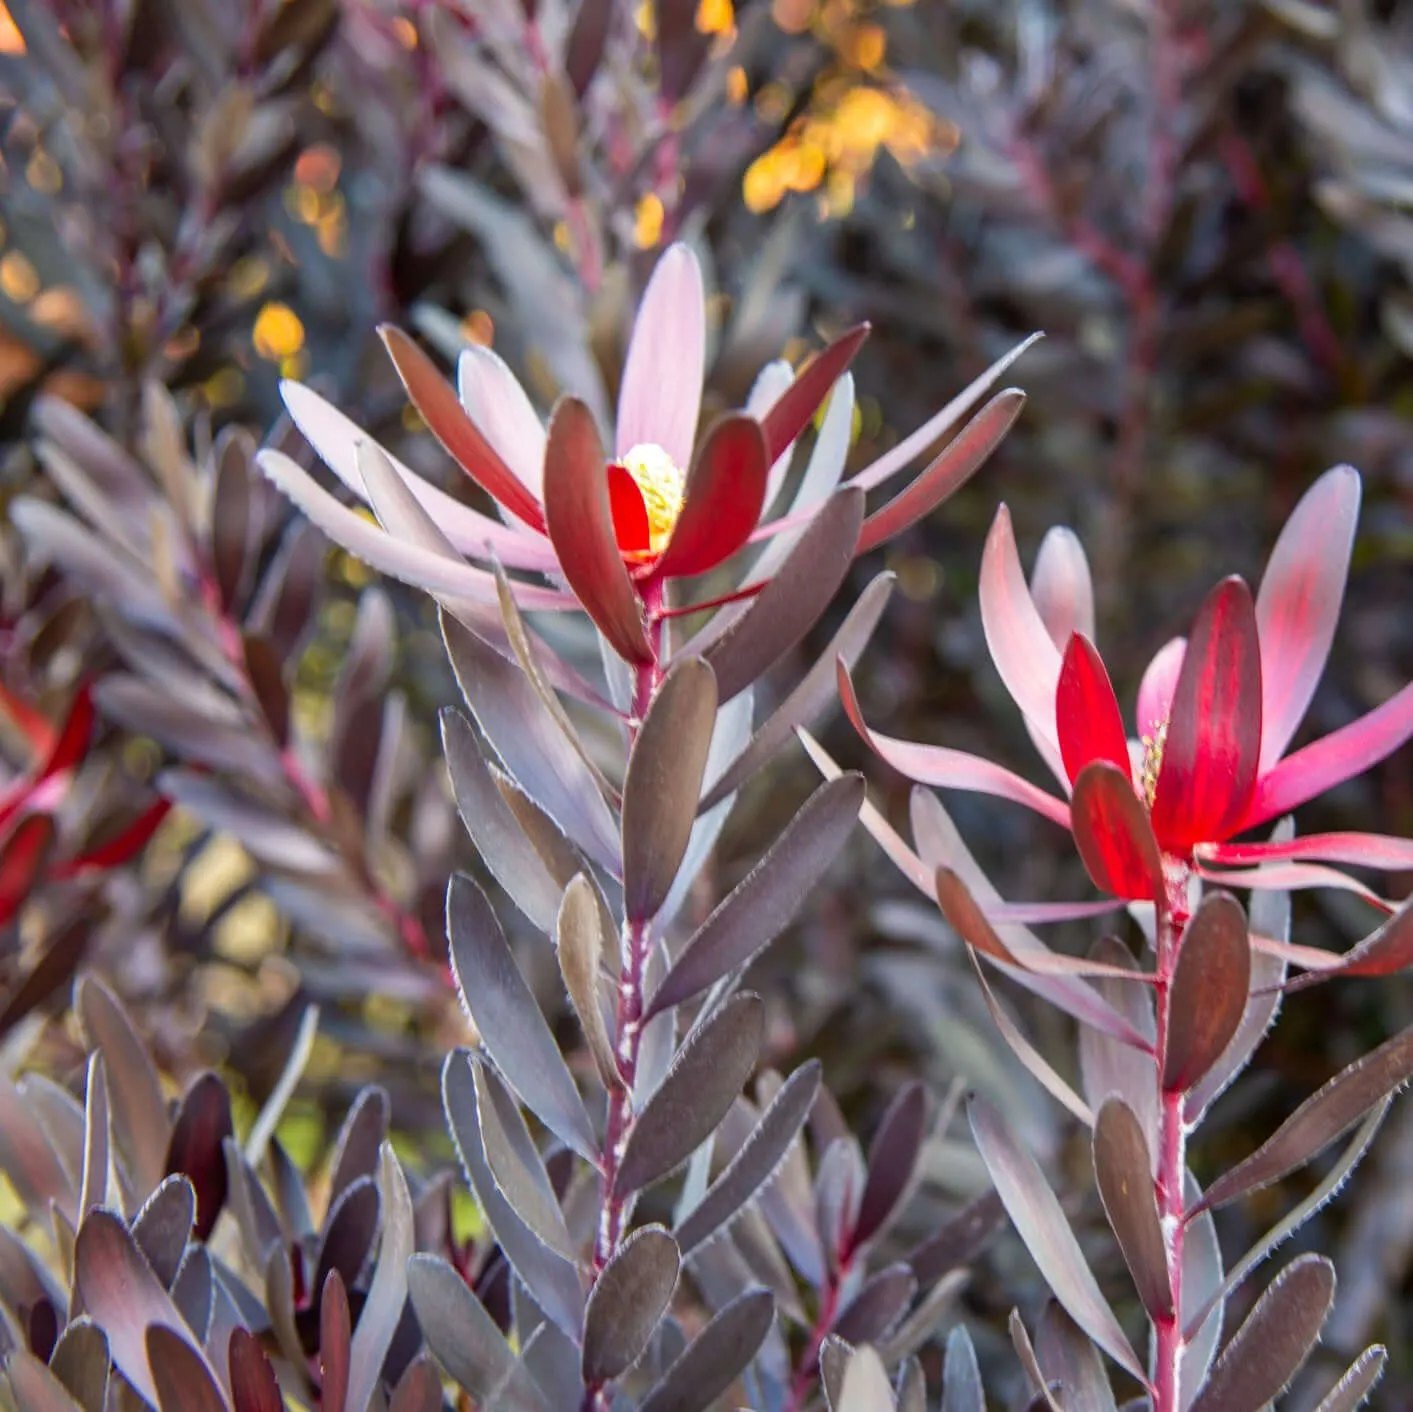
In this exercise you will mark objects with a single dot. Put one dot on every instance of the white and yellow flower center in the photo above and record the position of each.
(661, 483)
(1152, 763)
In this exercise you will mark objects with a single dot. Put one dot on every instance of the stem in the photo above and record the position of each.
(615, 1209)
(1172, 1167)
(807, 1369)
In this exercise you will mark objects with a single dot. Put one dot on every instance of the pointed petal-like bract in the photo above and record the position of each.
(660, 397)
(495, 401)
(793, 409)
(462, 439)
(1298, 603)
(1020, 644)
(1358, 850)
(1087, 713)
(722, 499)
(1213, 742)
(1113, 834)
(1333, 759)
(580, 523)
(1155, 691)
(1062, 587)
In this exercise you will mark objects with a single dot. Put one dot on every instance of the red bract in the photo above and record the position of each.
(602, 529)
(1215, 713)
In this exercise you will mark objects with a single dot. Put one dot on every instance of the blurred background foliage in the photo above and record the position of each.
(1206, 205)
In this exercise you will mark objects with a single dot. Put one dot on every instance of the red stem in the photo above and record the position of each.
(807, 1369)
(614, 1208)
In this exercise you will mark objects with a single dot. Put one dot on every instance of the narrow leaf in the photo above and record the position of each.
(627, 1303)
(799, 402)
(1357, 1383)
(709, 1365)
(184, 1380)
(892, 1160)
(961, 1378)
(1068, 1358)
(1209, 991)
(865, 1387)
(580, 944)
(1123, 1169)
(254, 1386)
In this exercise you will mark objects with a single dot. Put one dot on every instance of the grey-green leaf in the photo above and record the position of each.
(961, 1378)
(627, 1303)
(1357, 1383)
(715, 1358)
(580, 944)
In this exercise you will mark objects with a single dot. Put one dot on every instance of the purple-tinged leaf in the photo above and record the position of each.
(1109, 1066)
(949, 470)
(335, 1342)
(360, 1140)
(663, 783)
(912, 1387)
(382, 1310)
(587, 39)
(283, 607)
(1043, 1394)
(164, 1225)
(1069, 1360)
(1381, 953)
(1270, 1347)
(1333, 1110)
(80, 1361)
(580, 523)
(757, 1161)
(183, 1378)
(35, 1387)
(119, 1290)
(531, 743)
(202, 1125)
(254, 1386)
(1114, 836)
(441, 409)
(581, 940)
(1209, 991)
(1298, 602)
(764, 902)
(142, 1128)
(961, 1378)
(1349, 1392)
(1358, 850)
(794, 599)
(721, 500)
(627, 1303)
(1062, 587)
(1213, 741)
(28, 1156)
(875, 1310)
(1087, 715)
(349, 1229)
(705, 1078)
(893, 1163)
(815, 691)
(465, 1340)
(512, 1029)
(1041, 1224)
(799, 402)
(499, 839)
(419, 1389)
(838, 1189)
(864, 1386)
(194, 1291)
(713, 1361)
(1123, 1169)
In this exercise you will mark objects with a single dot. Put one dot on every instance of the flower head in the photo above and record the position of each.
(1215, 714)
(602, 530)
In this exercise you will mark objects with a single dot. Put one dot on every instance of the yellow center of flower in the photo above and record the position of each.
(1152, 764)
(661, 483)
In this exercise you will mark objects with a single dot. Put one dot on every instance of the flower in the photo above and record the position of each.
(1215, 713)
(583, 529)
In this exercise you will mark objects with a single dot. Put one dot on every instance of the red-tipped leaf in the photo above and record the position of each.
(799, 402)
(1113, 834)
(1087, 711)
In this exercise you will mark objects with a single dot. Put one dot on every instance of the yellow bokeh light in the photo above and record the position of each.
(249, 275)
(43, 174)
(405, 31)
(647, 221)
(645, 19)
(793, 16)
(224, 388)
(318, 167)
(736, 86)
(11, 40)
(866, 47)
(19, 280)
(715, 16)
(479, 328)
(278, 332)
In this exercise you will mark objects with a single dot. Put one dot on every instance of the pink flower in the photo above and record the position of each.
(583, 528)
(1215, 714)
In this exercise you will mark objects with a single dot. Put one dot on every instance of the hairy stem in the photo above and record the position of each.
(636, 943)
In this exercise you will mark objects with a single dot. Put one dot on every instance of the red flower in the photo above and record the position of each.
(602, 533)
(1215, 715)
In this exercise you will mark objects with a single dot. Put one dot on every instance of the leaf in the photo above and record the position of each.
(1087, 717)
(163, 1226)
(1113, 834)
(709, 1365)
(254, 1386)
(912, 1387)
(22, 858)
(511, 1026)
(756, 1162)
(465, 1340)
(360, 1140)
(798, 403)
(580, 524)
(202, 1125)
(1269, 1348)
(627, 1303)
(123, 1296)
(141, 1127)
(263, 1129)
(1209, 991)
(875, 1310)
(349, 1229)
(585, 46)
(388, 1291)
(959, 1239)
(418, 1390)
(865, 1387)
(1318, 1121)
(1043, 1394)
(80, 1362)
(893, 1161)
(1357, 1383)
(27, 1155)
(811, 695)
(580, 943)
(705, 1078)
(792, 602)
(763, 903)
(1067, 1357)
(184, 1380)
(1106, 1064)
(663, 784)
(834, 1355)
(35, 1387)
(264, 672)
(1123, 1168)
(961, 1378)
(1041, 1224)
(335, 1342)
